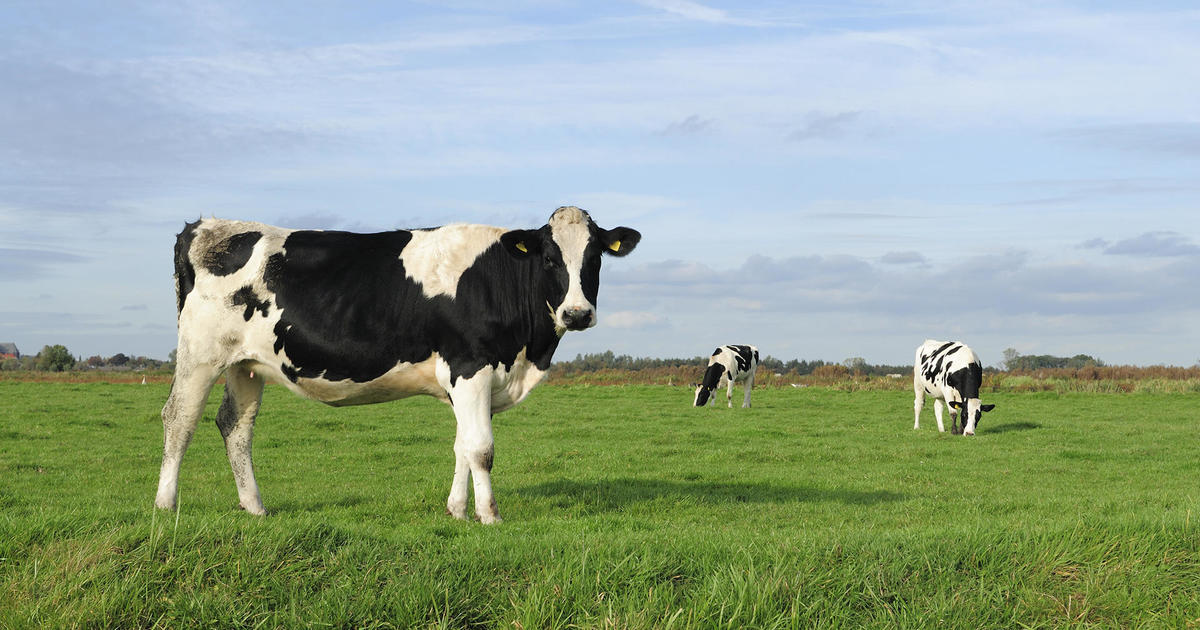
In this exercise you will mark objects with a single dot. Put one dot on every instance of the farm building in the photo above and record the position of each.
(9, 351)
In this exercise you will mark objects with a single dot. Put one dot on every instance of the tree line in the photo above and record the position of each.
(57, 358)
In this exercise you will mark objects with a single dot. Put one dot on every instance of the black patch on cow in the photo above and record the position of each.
(185, 274)
(742, 355)
(350, 312)
(712, 376)
(232, 254)
(246, 296)
(966, 381)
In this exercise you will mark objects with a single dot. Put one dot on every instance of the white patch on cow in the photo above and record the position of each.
(437, 258)
(569, 229)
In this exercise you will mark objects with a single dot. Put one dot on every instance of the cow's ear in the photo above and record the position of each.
(522, 243)
(620, 240)
(955, 404)
(987, 407)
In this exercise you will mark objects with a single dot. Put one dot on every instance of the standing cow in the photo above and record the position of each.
(468, 314)
(949, 371)
(728, 364)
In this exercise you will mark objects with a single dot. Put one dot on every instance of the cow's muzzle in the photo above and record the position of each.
(578, 318)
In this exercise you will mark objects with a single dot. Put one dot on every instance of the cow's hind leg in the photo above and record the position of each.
(937, 414)
(918, 405)
(235, 420)
(181, 414)
(749, 386)
(474, 448)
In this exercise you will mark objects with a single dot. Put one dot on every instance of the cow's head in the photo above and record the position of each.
(970, 413)
(702, 395)
(570, 246)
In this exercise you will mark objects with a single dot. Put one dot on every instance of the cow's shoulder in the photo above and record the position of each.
(437, 258)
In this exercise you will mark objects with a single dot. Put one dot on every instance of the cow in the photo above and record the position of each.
(949, 371)
(468, 314)
(727, 365)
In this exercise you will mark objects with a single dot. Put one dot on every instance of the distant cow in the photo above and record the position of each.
(728, 364)
(468, 314)
(949, 371)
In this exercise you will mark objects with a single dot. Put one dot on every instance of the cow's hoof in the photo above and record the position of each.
(255, 510)
(458, 513)
(491, 519)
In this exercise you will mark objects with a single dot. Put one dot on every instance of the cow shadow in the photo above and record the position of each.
(615, 494)
(1012, 426)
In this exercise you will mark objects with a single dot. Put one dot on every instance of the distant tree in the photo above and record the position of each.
(1010, 359)
(855, 364)
(10, 365)
(119, 359)
(95, 361)
(55, 358)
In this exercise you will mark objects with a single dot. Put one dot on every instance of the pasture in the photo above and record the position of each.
(624, 508)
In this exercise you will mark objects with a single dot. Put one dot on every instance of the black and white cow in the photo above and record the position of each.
(728, 365)
(468, 314)
(949, 371)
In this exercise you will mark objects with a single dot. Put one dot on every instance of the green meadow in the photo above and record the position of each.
(624, 508)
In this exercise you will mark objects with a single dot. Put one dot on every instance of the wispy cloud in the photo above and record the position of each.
(21, 265)
(1167, 138)
(825, 126)
(691, 125)
(1148, 245)
(701, 13)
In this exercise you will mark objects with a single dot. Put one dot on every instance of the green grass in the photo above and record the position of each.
(624, 507)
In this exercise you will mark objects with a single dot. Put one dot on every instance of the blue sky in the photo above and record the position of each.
(822, 180)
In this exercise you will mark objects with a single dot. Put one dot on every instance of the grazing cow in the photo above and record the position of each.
(468, 314)
(949, 371)
(728, 364)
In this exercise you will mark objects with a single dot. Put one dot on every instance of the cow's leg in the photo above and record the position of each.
(918, 405)
(749, 386)
(474, 447)
(181, 414)
(955, 414)
(235, 420)
(729, 393)
(937, 414)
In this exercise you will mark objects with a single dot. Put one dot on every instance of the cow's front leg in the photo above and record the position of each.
(474, 447)
(729, 394)
(937, 414)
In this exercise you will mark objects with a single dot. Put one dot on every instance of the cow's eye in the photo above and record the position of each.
(548, 261)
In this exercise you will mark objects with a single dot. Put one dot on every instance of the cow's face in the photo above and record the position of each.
(970, 413)
(570, 246)
(702, 395)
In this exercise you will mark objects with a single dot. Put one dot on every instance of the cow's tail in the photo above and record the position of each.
(185, 273)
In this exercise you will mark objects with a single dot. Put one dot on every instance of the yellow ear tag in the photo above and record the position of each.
(521, 246)
(615, 246)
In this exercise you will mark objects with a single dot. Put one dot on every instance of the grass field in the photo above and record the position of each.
(624, 507)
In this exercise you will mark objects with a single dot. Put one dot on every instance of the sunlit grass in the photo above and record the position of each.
(624, 507)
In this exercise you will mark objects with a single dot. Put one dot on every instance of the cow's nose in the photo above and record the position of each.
(577, 318)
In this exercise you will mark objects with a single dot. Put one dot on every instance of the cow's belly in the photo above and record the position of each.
(402, 381)
(509, 386)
